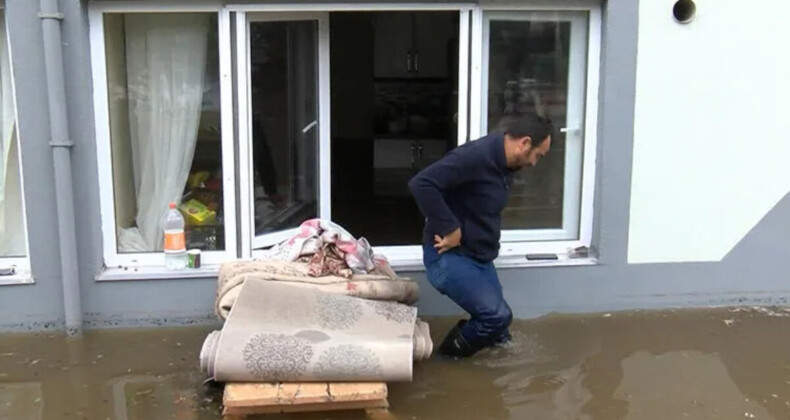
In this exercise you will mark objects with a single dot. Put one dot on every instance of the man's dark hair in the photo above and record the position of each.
(537, 128)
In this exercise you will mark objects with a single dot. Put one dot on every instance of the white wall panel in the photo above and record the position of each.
(712, 127)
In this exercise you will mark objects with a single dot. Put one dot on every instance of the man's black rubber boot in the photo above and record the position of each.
(455, 345)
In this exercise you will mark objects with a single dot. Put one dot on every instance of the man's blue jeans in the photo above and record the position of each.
(475, 287)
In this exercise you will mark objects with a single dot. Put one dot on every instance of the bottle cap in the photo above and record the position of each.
(172, 205)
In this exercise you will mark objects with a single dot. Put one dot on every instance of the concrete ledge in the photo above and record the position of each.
(504, 262)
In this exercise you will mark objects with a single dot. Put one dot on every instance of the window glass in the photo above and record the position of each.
(528, 73)
(13, 242)
(284, 82)
(163, 85)
(536, 62)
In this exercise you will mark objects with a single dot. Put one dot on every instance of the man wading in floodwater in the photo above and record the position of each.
(462, 197)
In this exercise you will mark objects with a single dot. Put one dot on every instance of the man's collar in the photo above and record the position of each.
(500, 157)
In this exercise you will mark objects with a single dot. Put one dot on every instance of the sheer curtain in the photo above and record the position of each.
(12, 231)
(165, 64)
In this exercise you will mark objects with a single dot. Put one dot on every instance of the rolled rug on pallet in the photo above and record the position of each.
(282, 333)
(373, 286)
(422, 347)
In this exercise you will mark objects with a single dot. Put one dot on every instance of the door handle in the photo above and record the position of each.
(416, 156)
(309, 127)
(413, 156)
(567, 130)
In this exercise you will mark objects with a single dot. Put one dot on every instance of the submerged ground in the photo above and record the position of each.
(698, 364)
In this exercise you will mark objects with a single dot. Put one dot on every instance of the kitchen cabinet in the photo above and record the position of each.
(392, 45)
(433, 33)
(395, 161)
(412, 45)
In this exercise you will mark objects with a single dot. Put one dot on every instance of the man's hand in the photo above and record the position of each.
(447, 243)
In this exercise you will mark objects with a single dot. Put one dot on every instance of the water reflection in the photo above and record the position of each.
(682, 384)
(142, 397)
(21, 401)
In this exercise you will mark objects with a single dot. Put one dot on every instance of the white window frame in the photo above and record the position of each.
(399, 256)
(521, 242)
(243, 20)
(515, 244)
(112, 258)
(21, 264)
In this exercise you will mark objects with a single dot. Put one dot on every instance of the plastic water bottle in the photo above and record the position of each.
(175, 246)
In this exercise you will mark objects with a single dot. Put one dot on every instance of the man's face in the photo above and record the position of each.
(526, 155)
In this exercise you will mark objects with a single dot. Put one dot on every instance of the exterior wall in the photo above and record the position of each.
(40, 305)
(710, 130)
(730, 273)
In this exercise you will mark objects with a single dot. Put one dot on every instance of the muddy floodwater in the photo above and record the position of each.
(698, 364)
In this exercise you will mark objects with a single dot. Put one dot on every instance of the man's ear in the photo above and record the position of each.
(526, 141)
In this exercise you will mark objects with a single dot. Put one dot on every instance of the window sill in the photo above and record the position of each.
(520, 261)
(503, 262)
(156, 273)
(20, 278)
(406, 265)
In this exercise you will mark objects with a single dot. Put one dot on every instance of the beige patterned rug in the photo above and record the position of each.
(279, 332)
(385, 286)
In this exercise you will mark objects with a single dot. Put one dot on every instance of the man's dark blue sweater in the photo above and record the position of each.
(467, 189)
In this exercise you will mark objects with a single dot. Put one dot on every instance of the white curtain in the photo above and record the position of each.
(165, 63)
(12, 230)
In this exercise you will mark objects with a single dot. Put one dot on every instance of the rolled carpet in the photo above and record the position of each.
(278, 332)
(374, 286)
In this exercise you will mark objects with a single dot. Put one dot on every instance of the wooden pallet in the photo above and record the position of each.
(242, 399)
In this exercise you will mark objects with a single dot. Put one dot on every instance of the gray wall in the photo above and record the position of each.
(744, 277)
(39, 305)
